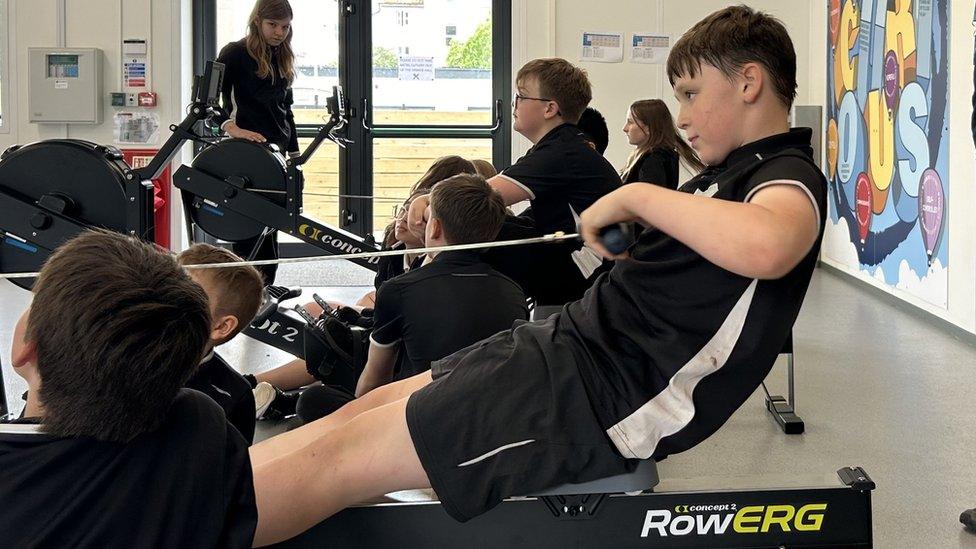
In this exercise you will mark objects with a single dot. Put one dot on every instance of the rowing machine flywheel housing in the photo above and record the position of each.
(242, 165)
(66, 179)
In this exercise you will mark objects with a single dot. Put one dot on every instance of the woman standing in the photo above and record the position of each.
(651, 130)
(257, 96)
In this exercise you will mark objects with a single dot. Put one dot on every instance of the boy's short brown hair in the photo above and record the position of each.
(468, 208)
(119, 328)
(562, 82)
(239, 289)
(732, 37)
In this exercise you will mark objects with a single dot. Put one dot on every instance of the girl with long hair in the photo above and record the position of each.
(658, 146)
(257, 97)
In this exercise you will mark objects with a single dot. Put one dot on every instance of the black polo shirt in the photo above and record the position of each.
(520, 263)
(186, 484)
(447, 305)
(658, 166)
(669, 345)
(560, 171)
(228, 388)
(390, 266)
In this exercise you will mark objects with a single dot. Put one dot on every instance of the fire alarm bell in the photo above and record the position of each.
(147, 99)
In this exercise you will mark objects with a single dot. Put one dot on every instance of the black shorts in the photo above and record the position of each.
(508, 417)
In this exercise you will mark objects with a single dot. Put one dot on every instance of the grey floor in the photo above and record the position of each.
(877, 387)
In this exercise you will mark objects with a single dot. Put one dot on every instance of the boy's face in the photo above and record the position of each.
(529, 113)
(711, 110)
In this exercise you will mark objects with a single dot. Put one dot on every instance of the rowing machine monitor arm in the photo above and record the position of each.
(336, 106)
(206, 93)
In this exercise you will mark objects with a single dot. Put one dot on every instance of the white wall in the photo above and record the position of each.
(99, 24)
(553, 27)
(962, 166)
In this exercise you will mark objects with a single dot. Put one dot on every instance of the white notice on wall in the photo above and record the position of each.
(135, 65)
(650, 48)
(416, 68)
(602, 47)
(139, 128)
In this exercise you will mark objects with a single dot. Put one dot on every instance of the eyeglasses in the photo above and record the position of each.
(517, 96)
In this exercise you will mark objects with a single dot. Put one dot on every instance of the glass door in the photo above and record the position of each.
(422, 79)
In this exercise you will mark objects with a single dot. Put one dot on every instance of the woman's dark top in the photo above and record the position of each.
(260, 105)
(658, 166)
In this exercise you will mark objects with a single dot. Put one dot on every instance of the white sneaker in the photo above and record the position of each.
(264, 395)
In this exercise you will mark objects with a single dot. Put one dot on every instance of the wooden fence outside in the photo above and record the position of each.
(397, 162)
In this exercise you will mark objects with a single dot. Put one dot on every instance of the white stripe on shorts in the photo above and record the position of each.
(496, 451)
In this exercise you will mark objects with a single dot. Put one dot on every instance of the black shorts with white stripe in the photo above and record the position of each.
(503, 418)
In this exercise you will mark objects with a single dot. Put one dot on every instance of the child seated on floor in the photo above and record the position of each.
(426, 314)
(112, 450)
(235, 295)
(275, 390)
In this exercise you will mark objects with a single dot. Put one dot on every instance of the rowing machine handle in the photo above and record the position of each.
(273, 296)
(617, 238)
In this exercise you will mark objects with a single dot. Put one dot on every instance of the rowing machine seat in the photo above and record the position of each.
(643, 478)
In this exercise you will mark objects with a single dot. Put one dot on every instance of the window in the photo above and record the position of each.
(316, 59)
(403, 113)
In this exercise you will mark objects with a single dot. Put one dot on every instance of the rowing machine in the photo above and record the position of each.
(622, 512)
(52, 190)
(334, 351)
(238, 190)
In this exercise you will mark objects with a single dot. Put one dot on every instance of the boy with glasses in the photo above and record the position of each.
(560, 171)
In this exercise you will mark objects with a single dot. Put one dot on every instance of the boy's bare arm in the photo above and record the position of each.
(511, 192)
(764, 238)
(378, 370)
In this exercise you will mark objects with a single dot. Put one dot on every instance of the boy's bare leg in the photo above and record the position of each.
(291, 375)
(292, 440)
(369, 456)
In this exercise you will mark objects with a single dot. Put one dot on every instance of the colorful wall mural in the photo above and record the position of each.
(888, 142)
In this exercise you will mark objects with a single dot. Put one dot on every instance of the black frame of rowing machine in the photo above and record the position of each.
(617, 520)
(783, 409)
(283, 329)
(205, 94)
(288, 219)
